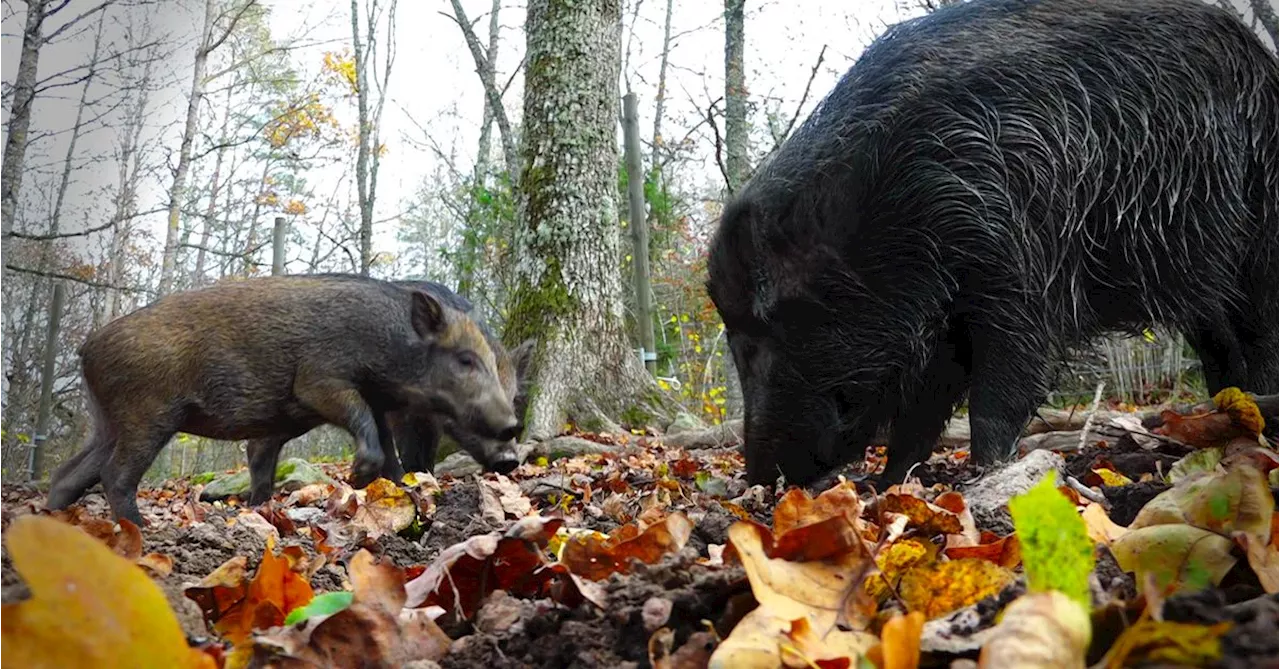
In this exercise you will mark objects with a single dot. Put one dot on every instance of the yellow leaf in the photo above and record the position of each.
(1112, 478)
(941, 588)
(1167, 643)
(89, 607)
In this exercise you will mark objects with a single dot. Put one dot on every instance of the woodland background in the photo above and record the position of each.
(160, 145)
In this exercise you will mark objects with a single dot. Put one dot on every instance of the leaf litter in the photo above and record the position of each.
(651, 555)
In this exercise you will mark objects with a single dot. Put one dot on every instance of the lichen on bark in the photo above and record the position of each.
(568, 293)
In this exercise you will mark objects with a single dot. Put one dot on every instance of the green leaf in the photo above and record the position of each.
(1057, 553)
(323, 604)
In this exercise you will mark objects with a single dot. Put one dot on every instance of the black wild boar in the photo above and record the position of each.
(272, 358)
(987, 184)
(416, 434)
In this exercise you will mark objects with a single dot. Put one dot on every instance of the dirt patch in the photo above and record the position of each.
(546, 636)
(1127, 501)
(1252, 640)
(457, 518)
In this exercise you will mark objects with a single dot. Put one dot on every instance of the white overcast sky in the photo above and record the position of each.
(434, 83)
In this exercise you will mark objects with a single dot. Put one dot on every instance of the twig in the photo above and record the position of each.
(715, 130)
(76, 279)
(1088, 493)
(1088, 420)
(813, 74)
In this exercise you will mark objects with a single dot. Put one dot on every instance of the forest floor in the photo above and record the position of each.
(1149, 545)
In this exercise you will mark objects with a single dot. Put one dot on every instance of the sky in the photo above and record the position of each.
(434, 85)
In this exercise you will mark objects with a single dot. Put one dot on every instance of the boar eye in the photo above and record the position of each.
(468, 359)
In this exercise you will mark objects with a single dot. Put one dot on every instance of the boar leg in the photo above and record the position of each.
(136, 448)
(340, 404)
(417, 439)
(263, 455)
(390, 463)
(924, 412)
(1009, 374)
(79, 473)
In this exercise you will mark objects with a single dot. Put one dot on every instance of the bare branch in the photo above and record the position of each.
(779, 139)
(76, 279)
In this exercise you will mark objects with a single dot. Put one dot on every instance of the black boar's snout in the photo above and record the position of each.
(504, 466)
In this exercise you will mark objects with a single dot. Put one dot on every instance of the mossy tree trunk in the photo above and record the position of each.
(568, 281)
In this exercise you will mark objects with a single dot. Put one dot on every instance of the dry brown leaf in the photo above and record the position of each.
(929, 519)
(595, 558)
(235, 606)
(1004, 551)
(374, 631)
(817, 591)
(1041, 629)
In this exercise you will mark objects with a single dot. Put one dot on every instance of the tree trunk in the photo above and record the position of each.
(178, 189)
(24, 93)
(655, 163)
(1267, 15)
(47, 375)
(215, 185)
(736, 159)
(469, 254)
(365, 199)
(568, 290)
(484, 68)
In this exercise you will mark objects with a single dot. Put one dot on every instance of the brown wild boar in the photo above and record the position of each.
(272, 358)
(417, 434)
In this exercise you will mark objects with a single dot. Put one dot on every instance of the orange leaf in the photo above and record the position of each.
(900, 641)
(1004, 551)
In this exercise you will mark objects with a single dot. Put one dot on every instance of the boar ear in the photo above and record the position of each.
(521, 356)
(427, 315)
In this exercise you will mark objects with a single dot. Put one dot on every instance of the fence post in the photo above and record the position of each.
(277, 247)
(639, 230)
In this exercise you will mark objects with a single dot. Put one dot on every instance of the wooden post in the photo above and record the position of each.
(43, 416)
(639, 230)
(277, 247)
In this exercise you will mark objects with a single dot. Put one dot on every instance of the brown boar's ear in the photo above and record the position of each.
(521, 356)
(427, 315)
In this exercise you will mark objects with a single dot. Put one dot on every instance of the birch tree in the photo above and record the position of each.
(735, 140)
(568, 291)
(219, 23)
(369, 47)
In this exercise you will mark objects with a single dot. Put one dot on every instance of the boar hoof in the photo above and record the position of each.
(365, 471)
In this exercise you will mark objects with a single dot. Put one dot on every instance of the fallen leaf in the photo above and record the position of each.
(1110, 478)
(595, 558)
(940, 588)
(1039, 629)
(1164, 642)
(929, 519)
(1184, 557)
(1237, 499)
(1200, 461)
(375, 630)
(323, 604)
(160, 565)
(1099, 525)
(797, 509)
(384, 508)
(896, 560)
(816, 591)
(1264, 558)
(234, 606)
(900, 641)
(463, 575)
(88, 606)
(1004, 551)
